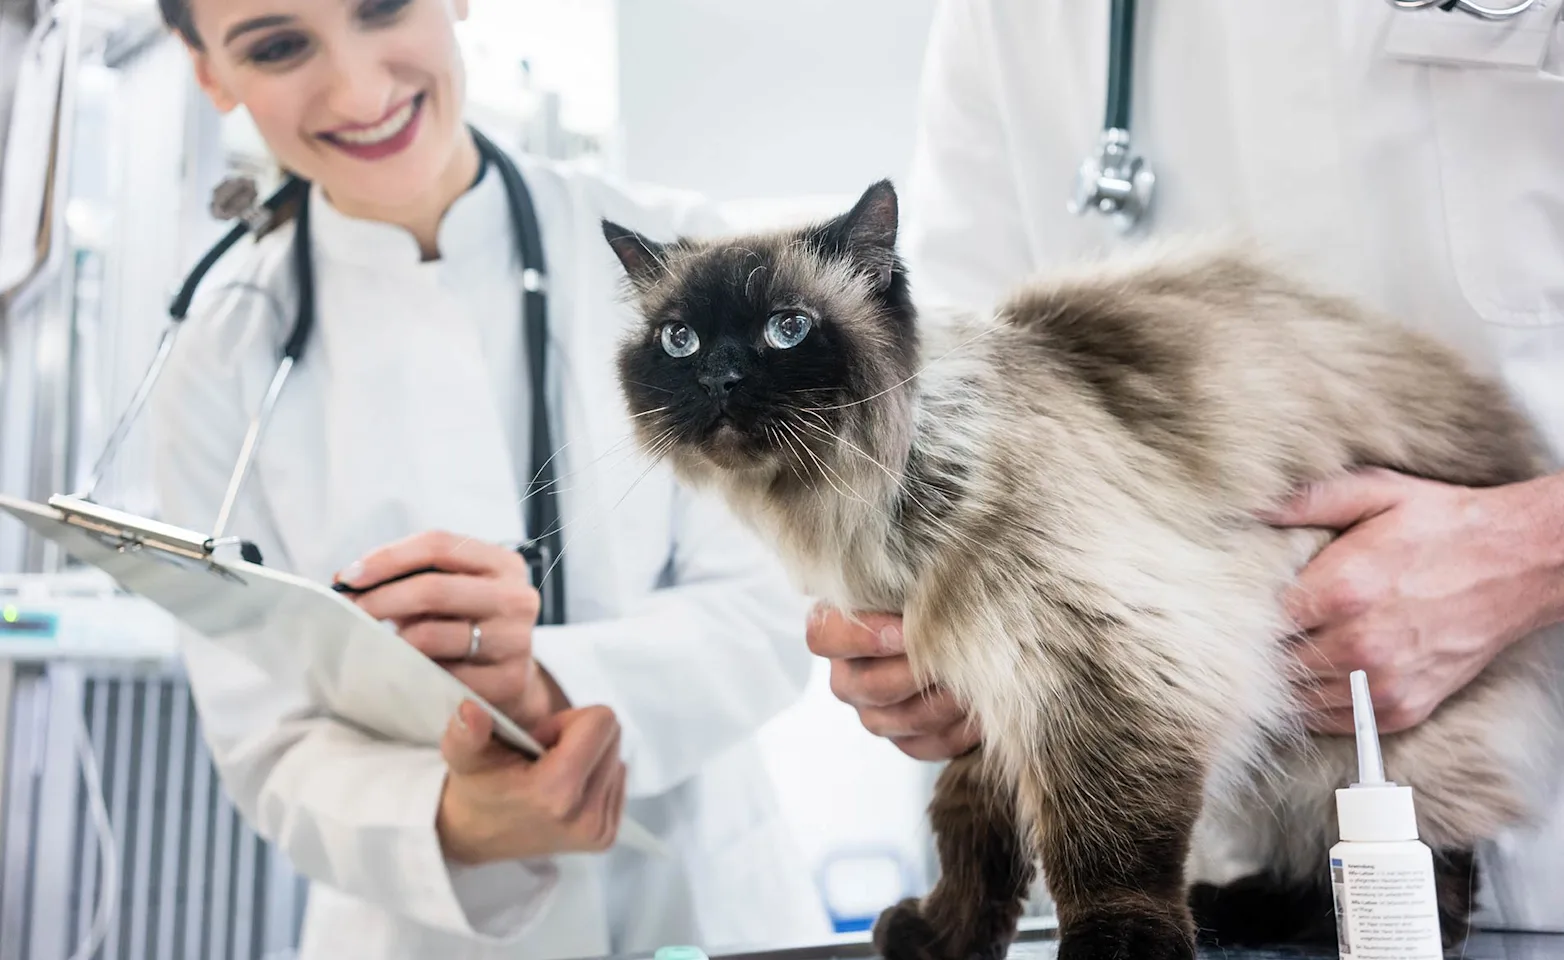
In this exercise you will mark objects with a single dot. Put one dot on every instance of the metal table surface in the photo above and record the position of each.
(1038, 943)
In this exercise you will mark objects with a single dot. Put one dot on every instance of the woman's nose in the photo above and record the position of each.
(361, 90)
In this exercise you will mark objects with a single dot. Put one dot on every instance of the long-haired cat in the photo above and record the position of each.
(1061, 498)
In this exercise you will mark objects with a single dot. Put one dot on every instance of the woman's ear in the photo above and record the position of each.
(214, 89)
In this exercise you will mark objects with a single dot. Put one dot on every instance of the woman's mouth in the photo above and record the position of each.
(385, 137)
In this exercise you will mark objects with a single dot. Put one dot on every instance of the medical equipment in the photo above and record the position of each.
(80, 615)
(1380, 869)
(1115, 181)
(237, 200)
(1119, 183)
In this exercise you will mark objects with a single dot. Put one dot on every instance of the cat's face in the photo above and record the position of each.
(757, 352)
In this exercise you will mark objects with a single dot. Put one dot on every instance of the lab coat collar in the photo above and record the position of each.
(475, 229)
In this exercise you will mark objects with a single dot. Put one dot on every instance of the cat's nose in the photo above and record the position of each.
(719, 385)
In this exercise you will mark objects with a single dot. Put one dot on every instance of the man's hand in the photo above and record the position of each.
(870, 671)
(479, 584)
(497, 805)
(1428, 583)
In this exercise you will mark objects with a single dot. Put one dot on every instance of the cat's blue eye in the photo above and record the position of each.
(787, 329)
(679, 340)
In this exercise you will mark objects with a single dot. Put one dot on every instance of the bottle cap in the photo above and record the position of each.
(1372, 809)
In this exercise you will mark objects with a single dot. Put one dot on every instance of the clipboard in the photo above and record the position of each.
(291, 628)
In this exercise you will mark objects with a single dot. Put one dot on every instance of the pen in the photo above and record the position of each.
(524, 549)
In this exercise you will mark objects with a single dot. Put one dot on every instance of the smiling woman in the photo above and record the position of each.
(364, 99)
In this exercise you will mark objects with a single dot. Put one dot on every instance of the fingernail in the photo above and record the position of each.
(351, 573)
(461, 721)
(891, 636)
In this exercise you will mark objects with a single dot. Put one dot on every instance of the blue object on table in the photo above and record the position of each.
(861, 916)
(679, 953)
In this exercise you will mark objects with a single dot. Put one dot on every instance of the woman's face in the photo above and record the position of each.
(363, 97)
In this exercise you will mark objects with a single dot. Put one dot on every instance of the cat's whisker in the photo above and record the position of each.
(994, 328)
(650, 387)
(902, 487)
(830, 474)
(656, 451)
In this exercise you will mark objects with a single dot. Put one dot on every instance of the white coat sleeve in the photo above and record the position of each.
(703, 663)
(352, 812)
(964, 236)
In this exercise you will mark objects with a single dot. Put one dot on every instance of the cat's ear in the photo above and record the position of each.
(868, 232)
(642, 258)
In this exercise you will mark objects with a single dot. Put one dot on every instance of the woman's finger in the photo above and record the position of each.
(436, 596)
(437, 548)
(450, 641)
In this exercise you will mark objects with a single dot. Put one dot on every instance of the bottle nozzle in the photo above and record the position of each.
(1371, 766)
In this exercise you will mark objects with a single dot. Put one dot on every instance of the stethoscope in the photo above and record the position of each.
(1117, 182)
(235, 199)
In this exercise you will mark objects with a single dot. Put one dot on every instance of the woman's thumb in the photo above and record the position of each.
(466, 738)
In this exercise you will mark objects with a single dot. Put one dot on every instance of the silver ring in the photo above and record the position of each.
(475, 638)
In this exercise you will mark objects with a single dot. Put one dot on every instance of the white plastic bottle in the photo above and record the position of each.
(1381, 873)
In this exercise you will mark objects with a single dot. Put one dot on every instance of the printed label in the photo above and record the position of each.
(1385, 909)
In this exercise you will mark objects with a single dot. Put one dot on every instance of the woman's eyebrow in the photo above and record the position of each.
(258, 23)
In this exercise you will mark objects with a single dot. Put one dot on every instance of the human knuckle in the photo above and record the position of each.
(842, 685)
(875, 720)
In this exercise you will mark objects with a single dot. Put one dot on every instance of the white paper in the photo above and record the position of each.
(1431, 35)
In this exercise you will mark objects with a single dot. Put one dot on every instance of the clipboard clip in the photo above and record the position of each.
(129, 533)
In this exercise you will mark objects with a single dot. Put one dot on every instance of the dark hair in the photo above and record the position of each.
(176, 13)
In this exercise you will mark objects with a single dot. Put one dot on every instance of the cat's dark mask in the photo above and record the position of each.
(757, 350)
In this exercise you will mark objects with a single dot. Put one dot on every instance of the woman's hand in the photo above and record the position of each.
(498, 805)
(1428, 583)
(870, 672)
(480, 585)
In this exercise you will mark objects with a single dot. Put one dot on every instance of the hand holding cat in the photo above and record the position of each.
(1426, 585)
(481, 584)
(870, 672)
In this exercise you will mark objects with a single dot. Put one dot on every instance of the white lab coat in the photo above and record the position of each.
(1433, 191)
(403, 416)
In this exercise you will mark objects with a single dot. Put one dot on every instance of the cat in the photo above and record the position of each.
(1062, 498)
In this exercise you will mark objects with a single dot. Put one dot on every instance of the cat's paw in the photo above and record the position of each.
(1126, 935)
(902, 933)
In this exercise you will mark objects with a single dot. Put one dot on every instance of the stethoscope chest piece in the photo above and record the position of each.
(1114, 182)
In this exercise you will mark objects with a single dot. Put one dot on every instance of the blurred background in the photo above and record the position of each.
(779, 109)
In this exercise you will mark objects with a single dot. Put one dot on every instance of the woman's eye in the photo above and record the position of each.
(787, 330)
(278, 48)
(679, 340)
(377, 11)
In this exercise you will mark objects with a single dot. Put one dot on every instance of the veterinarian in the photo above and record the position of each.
(398, 443)
(1409, 158)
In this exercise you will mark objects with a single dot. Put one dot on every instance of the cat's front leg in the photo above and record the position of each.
(1114, 821)
(986, 871)
(1106, 735)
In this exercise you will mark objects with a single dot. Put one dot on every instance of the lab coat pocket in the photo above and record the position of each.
(1500, 137)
